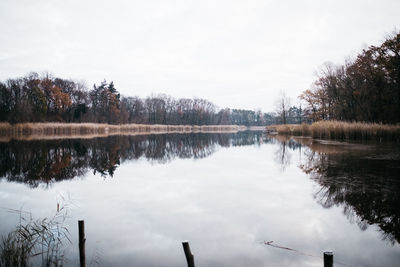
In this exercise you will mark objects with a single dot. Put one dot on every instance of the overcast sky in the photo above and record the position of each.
(237, 54)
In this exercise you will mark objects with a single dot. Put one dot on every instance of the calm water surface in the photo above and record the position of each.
(228, 194)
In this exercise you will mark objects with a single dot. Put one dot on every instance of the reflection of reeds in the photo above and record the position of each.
(82, 130)
(341, 130)
(330, 147)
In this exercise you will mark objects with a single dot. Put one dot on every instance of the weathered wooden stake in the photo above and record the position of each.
(328, 259)
(82, 257)
(188, 253)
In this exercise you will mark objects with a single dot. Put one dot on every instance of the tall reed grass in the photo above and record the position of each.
(340, 130)
(98, 129)
(42, 238)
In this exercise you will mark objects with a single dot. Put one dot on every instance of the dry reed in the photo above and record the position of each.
(37, 130)
(340, 130)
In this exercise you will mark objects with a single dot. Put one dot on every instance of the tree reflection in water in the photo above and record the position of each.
(282, 155)
(363, 179)
(45, 162)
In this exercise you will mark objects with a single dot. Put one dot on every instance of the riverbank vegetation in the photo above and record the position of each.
(43, 240)
(42, 130)
(341, 130)
(359, 100)
(365, 89)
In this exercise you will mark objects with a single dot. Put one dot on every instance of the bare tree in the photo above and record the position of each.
(282, 106)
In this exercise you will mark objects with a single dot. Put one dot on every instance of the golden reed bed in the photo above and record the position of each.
(341, 130)
(32, 131)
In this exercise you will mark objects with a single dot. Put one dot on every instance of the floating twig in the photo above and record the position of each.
(270, 243)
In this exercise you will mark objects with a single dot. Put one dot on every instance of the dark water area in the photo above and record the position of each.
(364, 180)
(229, 194)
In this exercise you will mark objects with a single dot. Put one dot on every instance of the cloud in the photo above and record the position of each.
(233, 53)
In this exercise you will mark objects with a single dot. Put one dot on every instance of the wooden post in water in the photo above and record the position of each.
(328, 259)
(188, 253)
(82, 256)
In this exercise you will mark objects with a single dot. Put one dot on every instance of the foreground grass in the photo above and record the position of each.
(21, 130)
(44, 239)
(340, 130)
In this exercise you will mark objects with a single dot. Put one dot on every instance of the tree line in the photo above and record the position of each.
(364, 89)
(44, 98)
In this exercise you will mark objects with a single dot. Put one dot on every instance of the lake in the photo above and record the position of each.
(229, 194)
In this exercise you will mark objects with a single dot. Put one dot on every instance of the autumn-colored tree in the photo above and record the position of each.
(364, 89)
(79, 96)
(57, 101)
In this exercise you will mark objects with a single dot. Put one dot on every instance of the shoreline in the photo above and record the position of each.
(51, 131)
(340, 130)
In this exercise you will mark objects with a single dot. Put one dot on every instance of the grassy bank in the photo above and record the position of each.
(341, 130)
(57, 130)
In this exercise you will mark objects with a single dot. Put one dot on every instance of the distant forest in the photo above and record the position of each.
(36, 98)
(364, 89)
